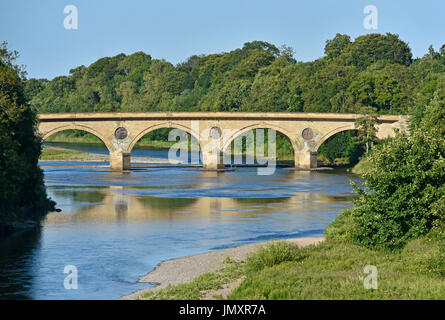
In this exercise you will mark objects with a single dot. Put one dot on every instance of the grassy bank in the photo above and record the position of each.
(74, 137)
(333, 269)
(57, 153)
(361, 166)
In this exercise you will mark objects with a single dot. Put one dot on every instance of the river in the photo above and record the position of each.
(115, 227)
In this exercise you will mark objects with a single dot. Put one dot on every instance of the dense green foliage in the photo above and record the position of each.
(404, 192)
(373, 70)
(342, 146)
(403, 197)
(22, 192)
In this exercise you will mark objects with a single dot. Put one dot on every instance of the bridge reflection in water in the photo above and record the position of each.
(120, 204)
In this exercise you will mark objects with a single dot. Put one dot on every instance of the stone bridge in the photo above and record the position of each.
(213, 131)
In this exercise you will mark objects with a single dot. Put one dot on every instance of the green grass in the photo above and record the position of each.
(331, 270)
(272, 254)
(334, 270)
(161, 145)
(74, 136)
(197, 289)
(57, 153)
(361, 166)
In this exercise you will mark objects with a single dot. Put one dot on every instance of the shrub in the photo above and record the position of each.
(404, 191)
(273, 254)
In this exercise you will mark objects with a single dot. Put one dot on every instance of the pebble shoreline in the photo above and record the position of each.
(185, 269)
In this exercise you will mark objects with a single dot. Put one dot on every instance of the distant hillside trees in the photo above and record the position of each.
(373, 70)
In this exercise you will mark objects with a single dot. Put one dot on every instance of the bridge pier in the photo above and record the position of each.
(213, 160)
(306, 159)
(211, 149)
(120, 161)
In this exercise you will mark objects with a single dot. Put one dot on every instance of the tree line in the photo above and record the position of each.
(373, 70)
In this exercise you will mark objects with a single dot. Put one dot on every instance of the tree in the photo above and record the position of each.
(324, 84)
(335, 47)
(250, 66)
(366, 127)
(404, 194)
(263, 46)
(233, 96)
(341, 145)
(33, 87)
(343, 102)
(22, 192)
(434, 118)
(370, 48)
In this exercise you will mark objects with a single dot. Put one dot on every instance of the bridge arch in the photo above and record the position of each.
(163, 125)
(88, 129)
(332, 133)
(228, 140)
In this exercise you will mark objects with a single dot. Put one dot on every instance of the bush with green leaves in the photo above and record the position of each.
(403, 195)
(404, 191)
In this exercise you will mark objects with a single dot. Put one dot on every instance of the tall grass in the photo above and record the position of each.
(273, 254)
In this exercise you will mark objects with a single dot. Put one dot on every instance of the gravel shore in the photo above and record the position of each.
(185, 269)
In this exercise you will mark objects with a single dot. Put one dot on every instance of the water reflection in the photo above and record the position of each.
(19, 258)
(116, 227)
(120, 204)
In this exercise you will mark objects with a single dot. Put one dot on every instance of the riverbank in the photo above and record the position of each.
(92, 140)
(305, 268)
(362, 166)
(146, 143)
(50, 153)
(186, 269)
(57, 153)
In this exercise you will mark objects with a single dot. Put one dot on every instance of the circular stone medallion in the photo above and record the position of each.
(215, 133)
(307, 134)
(121, 133)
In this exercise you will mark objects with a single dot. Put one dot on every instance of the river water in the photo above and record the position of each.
(116, 227)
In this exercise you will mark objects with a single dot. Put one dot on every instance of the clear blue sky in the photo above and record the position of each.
(176, 29)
